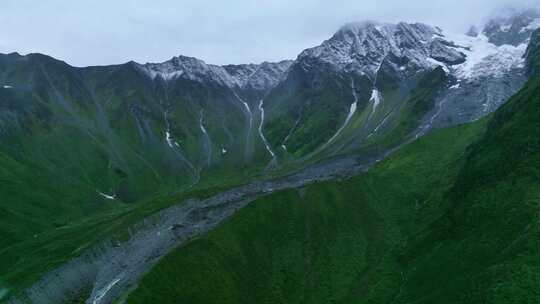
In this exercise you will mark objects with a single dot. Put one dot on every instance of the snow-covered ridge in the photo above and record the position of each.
(484, 59)
(495, 49)
(363, 47)
(256, 76)
(498, 47)
(533, 25)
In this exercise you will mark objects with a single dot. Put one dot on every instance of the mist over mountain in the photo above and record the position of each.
(119, 181)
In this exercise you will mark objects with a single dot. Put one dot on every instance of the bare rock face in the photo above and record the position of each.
(443, 51)
(259, 76)
(512, 27)
(246, 76)
(473, 31)
(362, 47)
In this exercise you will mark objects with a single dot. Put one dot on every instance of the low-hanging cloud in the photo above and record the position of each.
(100, 32)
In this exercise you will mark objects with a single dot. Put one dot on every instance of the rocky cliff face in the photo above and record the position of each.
(246, 76)
(494, 68)
(512, 27)
(362, 47)
(367, 78)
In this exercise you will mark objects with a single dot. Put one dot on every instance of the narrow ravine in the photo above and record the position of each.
(352, 111)
(249, 117)
(207, 140)
(291, 131)
(379, 125)
(429, 124)
(175, 146)
(376, 99)
(103, 292)
(261, 132)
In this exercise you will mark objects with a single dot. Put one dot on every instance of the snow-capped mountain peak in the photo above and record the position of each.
(498, 47)
(493, 49)
(255, 76)
(362, 48)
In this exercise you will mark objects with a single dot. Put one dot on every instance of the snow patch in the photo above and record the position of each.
(223, 151)
(376, 98)
(352, 110)
(166, 75)
(249, 116)
(206, 137)
(107, 196)
(169, 139)
(506, 27)
(201, 125)
(485, 58)
(535, 24)
(261, 133)
(456, 86)
(7, 87)
(438, 63)
(101, 293)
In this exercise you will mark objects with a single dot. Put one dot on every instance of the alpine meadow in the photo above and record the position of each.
(395, 162)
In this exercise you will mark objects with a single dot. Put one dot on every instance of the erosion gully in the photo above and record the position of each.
(110, 269)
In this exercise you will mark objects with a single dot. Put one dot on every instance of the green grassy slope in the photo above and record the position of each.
(322, 244)
(452, 218)
(488, 241)
(67, 134)
(25, 260)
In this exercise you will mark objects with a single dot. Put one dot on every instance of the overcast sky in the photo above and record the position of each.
(96, 32)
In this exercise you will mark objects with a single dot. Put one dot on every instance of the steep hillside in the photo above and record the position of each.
(451, 218)
(326, 243)
(81, 143)
(87, 152)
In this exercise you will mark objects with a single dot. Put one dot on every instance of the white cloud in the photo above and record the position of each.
(96, 32)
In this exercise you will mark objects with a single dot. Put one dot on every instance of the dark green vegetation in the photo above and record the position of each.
(68, 134)
(26, 260)
(451, 218)
(533, 54)
(307, 109)
(87, 152)
(71, 137)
